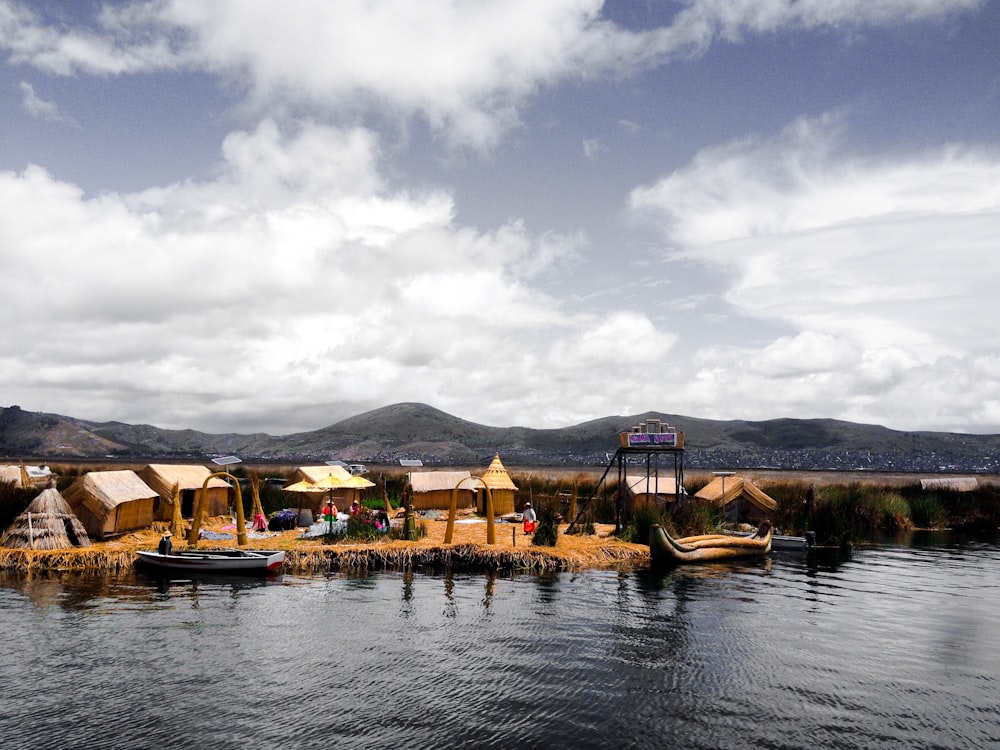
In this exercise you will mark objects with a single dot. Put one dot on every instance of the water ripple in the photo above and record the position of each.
(895, 648)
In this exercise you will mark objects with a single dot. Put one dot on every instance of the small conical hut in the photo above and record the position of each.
(111, 502)
(741, 494)
(502, 489)
(47, 523)
(166, 479)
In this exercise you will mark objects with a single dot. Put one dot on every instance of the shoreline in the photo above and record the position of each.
(470, 553)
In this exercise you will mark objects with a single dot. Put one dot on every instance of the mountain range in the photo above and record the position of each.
(419, 431)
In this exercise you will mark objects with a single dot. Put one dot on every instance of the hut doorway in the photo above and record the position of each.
(187, 503)
(74, 539)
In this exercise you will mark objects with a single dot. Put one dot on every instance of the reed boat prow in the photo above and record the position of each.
(665, 550)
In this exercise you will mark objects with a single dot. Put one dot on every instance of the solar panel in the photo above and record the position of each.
(410, 462)
(226, 460)
(335, 463)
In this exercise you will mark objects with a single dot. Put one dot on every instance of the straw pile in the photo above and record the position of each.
(512, 552)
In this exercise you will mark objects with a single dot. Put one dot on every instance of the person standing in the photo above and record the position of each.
(530, 518)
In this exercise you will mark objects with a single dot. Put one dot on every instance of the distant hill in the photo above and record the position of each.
(411, 430)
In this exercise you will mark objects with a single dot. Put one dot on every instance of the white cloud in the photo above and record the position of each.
(883, 267)
(467, 68)
(35, 106)
(308, 279)
(295, 277)
(592, 148)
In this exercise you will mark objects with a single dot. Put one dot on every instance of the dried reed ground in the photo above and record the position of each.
(512, 551)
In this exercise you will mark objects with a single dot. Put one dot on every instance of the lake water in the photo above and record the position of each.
(898, 647)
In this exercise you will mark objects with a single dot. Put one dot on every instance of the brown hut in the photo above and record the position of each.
(111, 502)
(747, 497)
(652, 491)
(189, 479)
(432, 489)
(47, 523)
(502, 489)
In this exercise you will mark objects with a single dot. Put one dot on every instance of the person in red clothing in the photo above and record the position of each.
(530, 519)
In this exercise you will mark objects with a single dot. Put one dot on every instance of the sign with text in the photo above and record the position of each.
(652, 439)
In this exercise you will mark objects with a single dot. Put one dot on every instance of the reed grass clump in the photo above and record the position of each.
(642, 521)
(849, 511)
(690, 518)
(547, 531)
(927, 511)
(795, 499)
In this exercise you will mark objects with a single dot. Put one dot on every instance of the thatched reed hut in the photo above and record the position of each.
(189, 479)
(337, 483)
(652, 490)
(111, 502)
(432, 489)
(740, 494)
(22, 475)
(502, 489)
(47, 523)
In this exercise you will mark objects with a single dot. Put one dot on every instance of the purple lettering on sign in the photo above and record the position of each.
(667, 439)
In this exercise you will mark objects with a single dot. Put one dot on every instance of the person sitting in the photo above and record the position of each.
(329, 511)
(355, 508)
(166, 546)
(382, 521)
(259, 522)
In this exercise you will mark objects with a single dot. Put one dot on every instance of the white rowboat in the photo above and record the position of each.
(231, 561)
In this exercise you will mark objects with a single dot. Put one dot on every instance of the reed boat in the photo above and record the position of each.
(665, 550)
(228, 561)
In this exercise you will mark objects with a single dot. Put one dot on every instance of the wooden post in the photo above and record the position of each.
(491, 527)
(452, 512)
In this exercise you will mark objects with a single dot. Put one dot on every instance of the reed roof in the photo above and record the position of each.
(52, 525)
(957, 484)
(14, 474)
(185, 476)
(496, 477)
(737, 487)
(315, 474)
(435, 481)
(652, 485)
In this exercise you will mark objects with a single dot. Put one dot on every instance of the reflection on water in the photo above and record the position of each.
(894, 647)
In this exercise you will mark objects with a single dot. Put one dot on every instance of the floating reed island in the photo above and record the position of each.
(512, 552)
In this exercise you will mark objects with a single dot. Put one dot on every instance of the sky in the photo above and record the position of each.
(249, 216)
